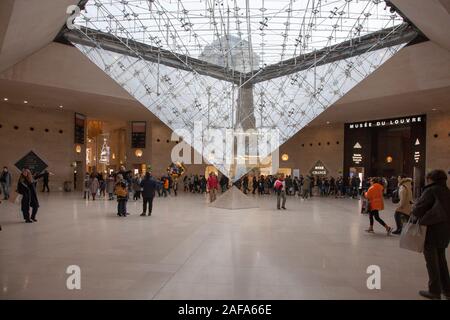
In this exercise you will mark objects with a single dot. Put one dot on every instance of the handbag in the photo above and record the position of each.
(15, 198)
(364, 205)
(413, 236)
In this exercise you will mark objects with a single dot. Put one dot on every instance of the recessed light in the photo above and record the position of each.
(25, 101)
(5, 99)
(328, 122)
(61, 107)
(434, 109)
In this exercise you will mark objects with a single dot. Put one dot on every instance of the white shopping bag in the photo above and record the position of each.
(413, 236)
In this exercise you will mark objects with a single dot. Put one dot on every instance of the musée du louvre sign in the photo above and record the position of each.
(385, 123)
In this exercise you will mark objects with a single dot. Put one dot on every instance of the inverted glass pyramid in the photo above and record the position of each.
(233, 122)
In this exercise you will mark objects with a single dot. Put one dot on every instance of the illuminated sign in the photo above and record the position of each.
(357, 158)
(319, 169)
(416, 156)
(385, 123)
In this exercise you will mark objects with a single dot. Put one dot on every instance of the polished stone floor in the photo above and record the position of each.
(317, 249)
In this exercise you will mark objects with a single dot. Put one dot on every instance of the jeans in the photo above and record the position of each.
(439, 280)
(400, 219)
(5, 190)
(122, 207)
(147, 202)
(281, 195)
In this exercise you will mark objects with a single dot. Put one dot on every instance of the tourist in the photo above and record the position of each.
(136, 187)
(45, 179)
(86, 189)
(110, 185)
(203, 184)
(27, 188)
(433, 210)
(254, 184)
(148, 185)
(5, 182)
(306, 188)
(93, 185)
(121, 191)
(245, 184)
(175, 186)
(261, 184)
(102, 185)
(213, 186)
(280, 188)
(376, 204)
(404, 208)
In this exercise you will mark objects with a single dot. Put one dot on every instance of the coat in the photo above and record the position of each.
(29, 194)
(93, 185)
(433, 210)
(149, 186)
(375, 196)
(405, 195)
(213, 183)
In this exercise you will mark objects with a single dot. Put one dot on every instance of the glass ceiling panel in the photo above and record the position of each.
(242, 35)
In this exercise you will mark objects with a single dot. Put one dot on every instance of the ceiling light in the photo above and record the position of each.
(25, 101)
(434, 109)
(328, 122)
(61, 107)
(5, 99)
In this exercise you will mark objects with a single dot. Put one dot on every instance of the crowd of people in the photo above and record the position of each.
(431, 209)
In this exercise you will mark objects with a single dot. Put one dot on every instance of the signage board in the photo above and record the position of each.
(33, 162)
(319, 169)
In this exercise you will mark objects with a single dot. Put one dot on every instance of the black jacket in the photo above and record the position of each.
(433, 210)
(29, 195)
(149, 186)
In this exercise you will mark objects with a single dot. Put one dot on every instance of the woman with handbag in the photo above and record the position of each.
(405, 202)
(433, 210)
(376, 204)
(27, 188)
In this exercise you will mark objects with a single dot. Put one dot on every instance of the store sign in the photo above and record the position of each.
(319, 169)
(357, 158)
(385, 123)
(32, 162)
(417, 156)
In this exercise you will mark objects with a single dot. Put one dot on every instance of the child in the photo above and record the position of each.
(121, 192)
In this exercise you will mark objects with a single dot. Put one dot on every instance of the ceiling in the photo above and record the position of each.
(27, 26)
(96, 106)
(432, 17)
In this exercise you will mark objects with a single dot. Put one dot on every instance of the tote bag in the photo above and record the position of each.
(364, 205)
(413, 236)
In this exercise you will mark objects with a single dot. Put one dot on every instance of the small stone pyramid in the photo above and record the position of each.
(234, 199)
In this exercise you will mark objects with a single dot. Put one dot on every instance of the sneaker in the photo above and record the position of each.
(388, 231)
(429, 295)
(283, 208)
(143, 214)
(28, 221)
(397, 232)
(34, 219)
(370, 230)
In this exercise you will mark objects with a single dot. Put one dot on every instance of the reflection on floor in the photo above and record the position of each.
(316, 249)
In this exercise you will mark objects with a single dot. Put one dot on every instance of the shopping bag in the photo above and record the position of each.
(15, 198)
(413, 236)
(364, 205)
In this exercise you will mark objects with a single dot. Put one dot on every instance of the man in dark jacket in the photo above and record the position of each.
(433, 210)
(149, 186)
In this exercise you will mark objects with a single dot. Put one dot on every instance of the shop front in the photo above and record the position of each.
(386, 148)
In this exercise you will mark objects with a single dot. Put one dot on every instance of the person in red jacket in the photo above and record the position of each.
(376, 204)
(213, 185)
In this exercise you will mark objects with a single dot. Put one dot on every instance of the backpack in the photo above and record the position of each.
(278, 185)
(395, 196)
(121, 191)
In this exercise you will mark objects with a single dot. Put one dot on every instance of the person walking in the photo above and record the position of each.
(93, 185)
(149, 186)
(86, 190)
(405, 205)
(376, 204)
(136, 187)
(306, 188)
(45, 179)
(121, 191)
(5, 182)
(213, 185)
(27, 188)
(433, 210)
(110, 185)
(280, 189)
